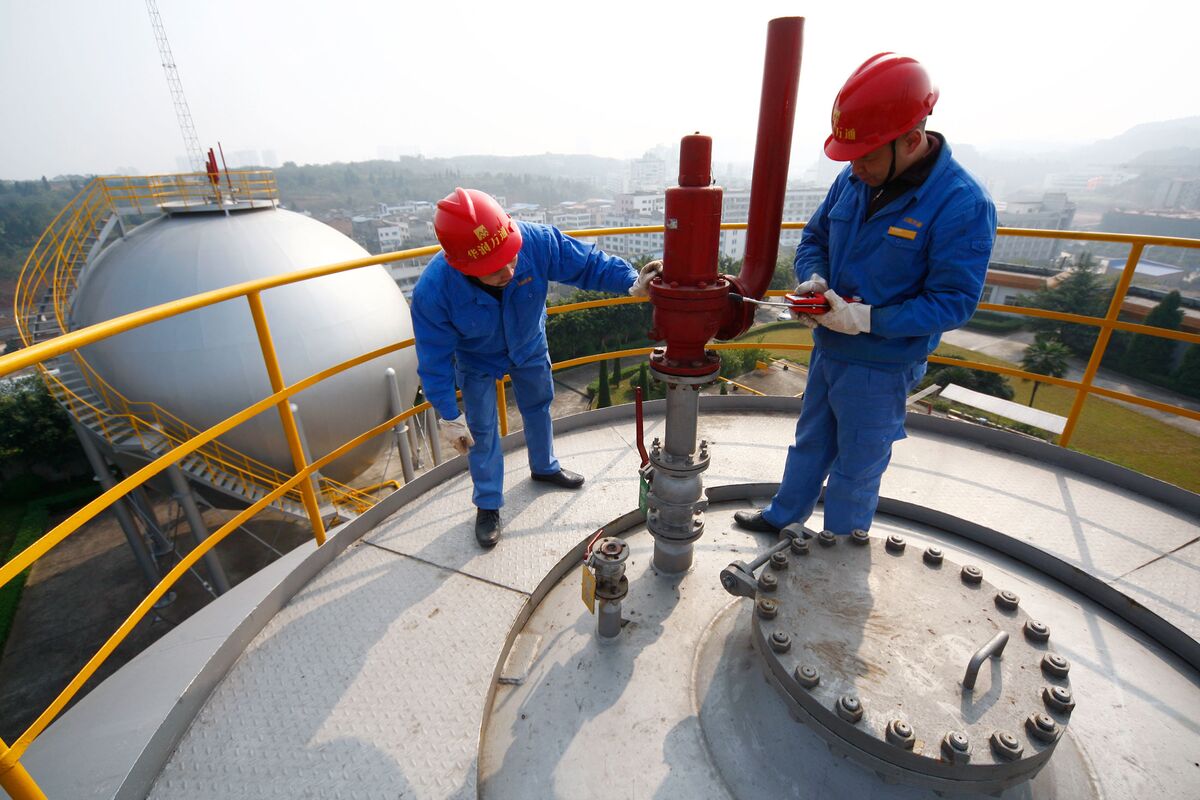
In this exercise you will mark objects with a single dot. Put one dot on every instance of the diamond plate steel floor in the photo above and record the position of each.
(372, 681)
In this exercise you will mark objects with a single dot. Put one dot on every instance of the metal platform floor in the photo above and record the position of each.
(374, 679)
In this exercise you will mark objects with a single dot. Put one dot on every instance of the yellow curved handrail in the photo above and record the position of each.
(150, 192)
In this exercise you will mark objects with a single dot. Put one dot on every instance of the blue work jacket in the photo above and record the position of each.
(920, 262)
(455, 320)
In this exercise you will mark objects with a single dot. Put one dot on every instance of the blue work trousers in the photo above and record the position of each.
(534, 389)
(851, 415)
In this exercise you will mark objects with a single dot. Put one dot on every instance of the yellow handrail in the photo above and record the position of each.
(57, 257)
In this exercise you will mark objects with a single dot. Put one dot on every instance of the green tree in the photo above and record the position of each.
(33, 426)
(977, 380)
(1152, 355)
(1082, 292)
(616, 372)
(1187, 377)
(1045, 356)
(603, 399)
(785, 273)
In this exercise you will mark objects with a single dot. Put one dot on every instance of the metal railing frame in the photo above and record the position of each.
(13, 776)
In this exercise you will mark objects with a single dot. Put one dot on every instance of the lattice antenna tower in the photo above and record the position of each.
(190, 141)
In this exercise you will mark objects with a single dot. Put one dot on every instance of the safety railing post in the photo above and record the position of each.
(275, 375)
(431, 431)
(17, 781)
(400, 431)
(1093, 366)
(305, 450)
(502, 407)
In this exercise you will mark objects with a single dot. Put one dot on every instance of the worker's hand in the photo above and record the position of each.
(641, 287)
(460, 435)
(815, 284)
(843, 317)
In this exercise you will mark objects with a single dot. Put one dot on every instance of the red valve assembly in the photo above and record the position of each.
(692, 302)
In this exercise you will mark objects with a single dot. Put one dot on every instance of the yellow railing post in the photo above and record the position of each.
(285, 413)
(16, 780)
(1093, 366)
(502, 407)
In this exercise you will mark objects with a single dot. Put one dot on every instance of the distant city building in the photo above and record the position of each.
(632, 245)
(1178, 193)
(641, 203)
(1052, 212)
(799, 204)
(1153, 223)
(376, 235)
(527, 212)
(1081, 182)
(647, 174)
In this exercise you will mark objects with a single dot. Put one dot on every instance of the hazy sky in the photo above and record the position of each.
(83, 90)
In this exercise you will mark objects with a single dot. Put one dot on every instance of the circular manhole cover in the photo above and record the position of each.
(913, 665)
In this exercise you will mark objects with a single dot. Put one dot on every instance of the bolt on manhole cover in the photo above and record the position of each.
(917, 667)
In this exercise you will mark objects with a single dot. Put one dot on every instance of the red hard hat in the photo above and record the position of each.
(885, 98)
(477, 235)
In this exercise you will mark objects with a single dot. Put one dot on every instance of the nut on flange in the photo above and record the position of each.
(807, 676)
(1042, 726)
(900, 733)
(1036, 631)
(1056, 665)
(1058, 698)
(766, 608)
(1006, 745)
(956, 747)
(849, 708)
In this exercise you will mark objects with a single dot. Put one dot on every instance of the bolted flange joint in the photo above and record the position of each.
(766, 608)
(779, 560)
(781, 642)
(827, 538)
(900, 733)
(1042, 727)
(1058, 698)
(1007, 601)
(849, 708)
(859, 537)
(807, 676)
(1006, 745)
(767, 582)
(956, 747)
(1056, 665)
(971, 575)
(895, 544)
(1036, 631)
(933, 556)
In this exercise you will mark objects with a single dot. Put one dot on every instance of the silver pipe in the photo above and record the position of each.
(183, 495)
(400, 431)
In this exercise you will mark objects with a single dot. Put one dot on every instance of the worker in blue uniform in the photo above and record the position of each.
(899, 247)
(479, 313)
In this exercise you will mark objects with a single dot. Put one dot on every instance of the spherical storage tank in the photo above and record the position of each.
(206, 365)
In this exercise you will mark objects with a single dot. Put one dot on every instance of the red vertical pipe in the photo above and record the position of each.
(772, 154)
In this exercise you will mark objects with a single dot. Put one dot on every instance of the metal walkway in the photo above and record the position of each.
(374, 680)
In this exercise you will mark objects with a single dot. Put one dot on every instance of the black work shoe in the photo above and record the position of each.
(487, 527)
(753, 521)
(564, 478)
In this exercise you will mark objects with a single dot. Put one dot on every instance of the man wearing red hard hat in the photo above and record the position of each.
(908, 231)
(479, 313)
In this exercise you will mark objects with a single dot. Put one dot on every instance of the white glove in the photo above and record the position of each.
(843, 317)
(641, 287)
(460, 435)
(815, 283)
